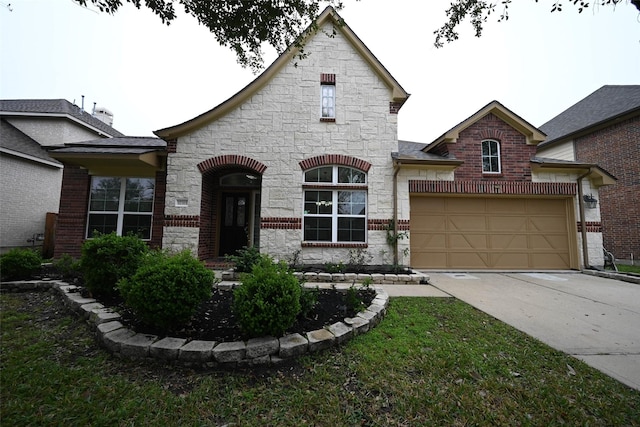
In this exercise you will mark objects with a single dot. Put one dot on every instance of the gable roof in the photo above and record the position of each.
(55, 108)
(533, 135)
(329, 15)
(600, 108)
(18, 144)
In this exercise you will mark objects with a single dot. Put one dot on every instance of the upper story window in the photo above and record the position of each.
(490, 156)
(327, 97)
(121, 205)
(335, 205)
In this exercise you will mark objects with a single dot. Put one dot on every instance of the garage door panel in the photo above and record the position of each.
(498, 233)
(548, 241)
(506, 205)
(501, 223)
(457, 223)
(511, 242)
(467, 241)
(475, 260)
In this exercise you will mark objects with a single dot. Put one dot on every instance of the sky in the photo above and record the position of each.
(152, 76)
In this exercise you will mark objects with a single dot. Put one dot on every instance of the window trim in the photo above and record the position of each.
(120, 213)
(327, 80)
(335, 187)
(497, 156)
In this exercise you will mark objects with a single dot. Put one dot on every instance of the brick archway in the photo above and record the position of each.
(335, 159)
(231, 160)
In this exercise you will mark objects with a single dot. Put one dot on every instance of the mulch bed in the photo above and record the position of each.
(215, 321)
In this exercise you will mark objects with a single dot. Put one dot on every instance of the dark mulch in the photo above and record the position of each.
(215, 321)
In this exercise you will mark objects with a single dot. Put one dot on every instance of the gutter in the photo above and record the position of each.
(583, 227)
(396, 169)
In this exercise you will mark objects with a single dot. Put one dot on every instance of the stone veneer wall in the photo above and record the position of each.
(280, 126)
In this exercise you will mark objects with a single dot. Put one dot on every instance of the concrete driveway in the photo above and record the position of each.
(591, 318)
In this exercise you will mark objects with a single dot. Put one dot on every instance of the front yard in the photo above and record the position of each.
(430, 362)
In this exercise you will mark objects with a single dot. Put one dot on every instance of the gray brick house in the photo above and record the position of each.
(305, 161)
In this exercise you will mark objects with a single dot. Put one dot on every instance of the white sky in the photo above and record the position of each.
(152, 76)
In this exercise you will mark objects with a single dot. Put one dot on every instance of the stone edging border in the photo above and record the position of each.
(376, 278)
(264, 351)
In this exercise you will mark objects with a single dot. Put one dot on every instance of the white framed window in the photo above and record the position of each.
(121, 205)
(327, 97)
(491, 156)
(335, 205)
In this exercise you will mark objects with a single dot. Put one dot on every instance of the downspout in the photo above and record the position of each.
(583, 224)
(396, 169)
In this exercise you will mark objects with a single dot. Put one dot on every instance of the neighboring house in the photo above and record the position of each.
(604, 128)
(305, 163)
(30, 179)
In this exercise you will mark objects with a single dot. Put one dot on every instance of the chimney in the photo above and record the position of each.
(104, 115)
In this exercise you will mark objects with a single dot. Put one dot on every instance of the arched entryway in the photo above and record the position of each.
(230, 207)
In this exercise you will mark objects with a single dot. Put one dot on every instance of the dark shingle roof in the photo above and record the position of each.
(14, 140)
(118, 145)
(603, 105)
(60, 107)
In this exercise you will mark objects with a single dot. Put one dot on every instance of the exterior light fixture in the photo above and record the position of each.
(590, 201)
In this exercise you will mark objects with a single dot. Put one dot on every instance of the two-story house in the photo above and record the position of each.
(305, 162)
(30, 179)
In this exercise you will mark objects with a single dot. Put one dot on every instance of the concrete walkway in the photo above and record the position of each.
(592, 318)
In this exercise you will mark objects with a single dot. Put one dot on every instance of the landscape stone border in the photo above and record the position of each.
(126, 343)
(376, 278)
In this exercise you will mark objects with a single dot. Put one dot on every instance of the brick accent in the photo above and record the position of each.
(515, 154)
(617, 150)
(72, 215)
(231, 160)
(591, 226)
(172, 145)
(190, 221)
(494, 187)
(281, 223)
(335, 159)
(333, 245)
(327, 79)
(383, 224)
(394, 107)
(157, 228)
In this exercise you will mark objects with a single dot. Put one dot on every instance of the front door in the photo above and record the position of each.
(234, 228)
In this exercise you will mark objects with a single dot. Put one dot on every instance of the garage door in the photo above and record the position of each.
(491, 233)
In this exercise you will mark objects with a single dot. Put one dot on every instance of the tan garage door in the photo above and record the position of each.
(491, 233)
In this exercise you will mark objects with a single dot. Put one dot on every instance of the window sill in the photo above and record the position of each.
(334, 245)
(492, 175)
(327, 119)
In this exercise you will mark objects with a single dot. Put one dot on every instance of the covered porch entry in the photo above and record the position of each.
(230, 206)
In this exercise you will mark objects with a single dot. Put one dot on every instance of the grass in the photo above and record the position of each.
(628, 268)
(430, 362)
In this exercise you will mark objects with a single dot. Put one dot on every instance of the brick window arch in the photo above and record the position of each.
(231, 160)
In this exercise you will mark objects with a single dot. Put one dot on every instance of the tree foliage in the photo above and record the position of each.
(242, 26)
(478, 11)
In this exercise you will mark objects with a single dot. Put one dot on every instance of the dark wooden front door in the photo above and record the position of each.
(234, 225)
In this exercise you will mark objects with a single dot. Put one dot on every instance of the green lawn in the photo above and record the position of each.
(430, 362)
(628, 268)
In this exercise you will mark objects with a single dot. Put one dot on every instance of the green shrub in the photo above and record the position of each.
(67, 266)
(268, 301)
(108, 258)
(308, 300)
(245, 259)
(353, 301)
(166, 291)
(19, 264)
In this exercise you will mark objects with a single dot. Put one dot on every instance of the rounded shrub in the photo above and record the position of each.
(166, 291)
(268, 300)
(19, 264)
(108, 258)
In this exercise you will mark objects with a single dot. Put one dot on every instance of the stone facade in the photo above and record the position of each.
(272, 134)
